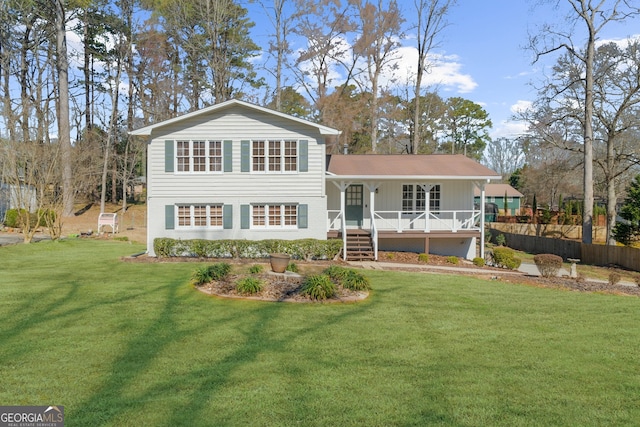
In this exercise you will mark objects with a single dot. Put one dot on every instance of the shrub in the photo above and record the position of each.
(201, 276)
(355, 281)
(298, 249)
(614, 278)
(11, 218)
(548, 264)
(249, 285)
(501, 240)
(318, 287)
(255, 269)
(453, 260)
(478, 262)
(505, 258)
(391, 255)
(336, 272)
(292, 267)
(423, 258)
(219, 271)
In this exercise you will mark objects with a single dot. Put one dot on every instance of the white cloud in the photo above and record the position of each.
(508, 129)
(520, 106)
(444, 71)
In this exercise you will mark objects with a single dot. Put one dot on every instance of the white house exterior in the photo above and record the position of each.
(238, 171)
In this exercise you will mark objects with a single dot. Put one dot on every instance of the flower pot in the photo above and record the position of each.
(279, 262)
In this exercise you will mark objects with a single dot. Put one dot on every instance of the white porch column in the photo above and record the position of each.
(482, 193)
(342, 185)
(373, 187)
(427, 206)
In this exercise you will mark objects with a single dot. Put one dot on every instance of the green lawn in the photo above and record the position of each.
(130, 344)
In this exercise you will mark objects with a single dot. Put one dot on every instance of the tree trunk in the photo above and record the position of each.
(587, 218)
(64, 129)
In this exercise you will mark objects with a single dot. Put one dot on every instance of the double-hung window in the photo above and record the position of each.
(274, 156)
(200, 216)
(274, 216)
(414, 198)
(199, 156)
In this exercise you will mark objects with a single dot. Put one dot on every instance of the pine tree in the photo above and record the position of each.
(628, 231)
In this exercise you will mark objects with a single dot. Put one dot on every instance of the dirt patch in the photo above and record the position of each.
(84, 222)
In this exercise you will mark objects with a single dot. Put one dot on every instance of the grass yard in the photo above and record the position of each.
(132, 344)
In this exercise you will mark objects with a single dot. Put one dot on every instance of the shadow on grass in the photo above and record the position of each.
(113, 399)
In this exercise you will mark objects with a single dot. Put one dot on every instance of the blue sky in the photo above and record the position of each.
(481, 56)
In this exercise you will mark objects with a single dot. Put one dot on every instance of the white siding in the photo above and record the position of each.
(236, 188)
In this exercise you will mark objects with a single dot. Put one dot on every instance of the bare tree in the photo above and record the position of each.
(64, 128)
(430, 22)
(594, 15)
(379, 37)
(324, 26)
(504, 155)
(282, 22)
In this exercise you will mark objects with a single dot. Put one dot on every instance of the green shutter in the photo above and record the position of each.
(304, 155)
(303, 220)
(245, 156)
(245, 216)
(227, 217)
(168, 155)
(169, 217)
(228, 156)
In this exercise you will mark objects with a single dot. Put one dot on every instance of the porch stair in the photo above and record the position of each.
(359, 246)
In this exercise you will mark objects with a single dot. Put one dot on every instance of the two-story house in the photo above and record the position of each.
(239, 171)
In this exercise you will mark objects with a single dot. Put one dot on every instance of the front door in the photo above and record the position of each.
(353, 205)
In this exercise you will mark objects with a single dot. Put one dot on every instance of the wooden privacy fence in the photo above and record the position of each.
(602, 255)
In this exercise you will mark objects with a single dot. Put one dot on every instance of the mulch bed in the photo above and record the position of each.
(278, 289)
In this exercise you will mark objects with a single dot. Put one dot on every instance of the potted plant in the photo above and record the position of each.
(279, 262)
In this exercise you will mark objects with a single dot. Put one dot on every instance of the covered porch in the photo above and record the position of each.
(421, 203)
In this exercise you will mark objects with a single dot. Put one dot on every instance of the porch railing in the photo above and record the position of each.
(453, 221)
(337, 221)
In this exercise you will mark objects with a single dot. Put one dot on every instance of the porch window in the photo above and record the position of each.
(414, 198)
(274, 156)
(200, 216)
(274, 216)
(199, 156)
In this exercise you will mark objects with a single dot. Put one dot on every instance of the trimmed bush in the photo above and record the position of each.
(318, 287)
(478, 262)
(548, 264)
(307, 249)
(423, 258)
(12, 218)
(504, 257)
(249, 286)
(453, 260)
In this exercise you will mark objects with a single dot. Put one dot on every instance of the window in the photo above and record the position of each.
(274, 156)
(199, 156)
(274, 216)
(200, 216)
(414, 198)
